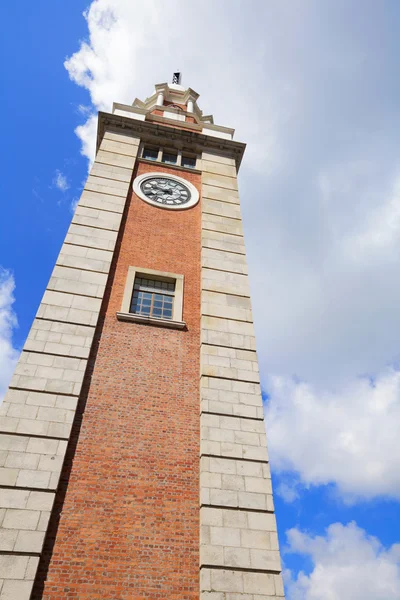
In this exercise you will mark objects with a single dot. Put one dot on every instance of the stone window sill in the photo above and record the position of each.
(151, 321)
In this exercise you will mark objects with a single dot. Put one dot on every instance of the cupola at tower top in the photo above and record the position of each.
(172, 104)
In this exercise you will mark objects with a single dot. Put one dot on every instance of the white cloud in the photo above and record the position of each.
(288, 487)
(61, 182)
(133, 46)
(310, 88)
(330, 268)
(349, 436)
(74, 204)
(84, 110)
(8, 321)
(348, 564)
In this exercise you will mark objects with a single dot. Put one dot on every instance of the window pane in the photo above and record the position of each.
(150, 154)
(153, 297)
(169, 158)
(188, 161)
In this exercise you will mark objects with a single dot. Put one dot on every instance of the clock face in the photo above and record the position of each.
(167, 191)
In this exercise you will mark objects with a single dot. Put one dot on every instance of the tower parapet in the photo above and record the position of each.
(172, 102)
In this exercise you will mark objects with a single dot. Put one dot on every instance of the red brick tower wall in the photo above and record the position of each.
(129, 525)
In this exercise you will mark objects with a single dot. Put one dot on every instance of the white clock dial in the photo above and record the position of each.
(166, 191)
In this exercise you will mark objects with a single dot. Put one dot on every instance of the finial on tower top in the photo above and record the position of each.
(177, 78)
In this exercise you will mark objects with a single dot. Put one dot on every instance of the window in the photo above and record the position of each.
(153, 298)
(150, 153)
(188, 161)
(169, 158)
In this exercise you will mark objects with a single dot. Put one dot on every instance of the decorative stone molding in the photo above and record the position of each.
(173, 137)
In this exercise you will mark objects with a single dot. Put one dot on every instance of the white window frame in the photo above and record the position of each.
(177, 306)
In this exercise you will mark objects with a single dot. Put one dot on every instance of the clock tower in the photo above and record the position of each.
(134, 458)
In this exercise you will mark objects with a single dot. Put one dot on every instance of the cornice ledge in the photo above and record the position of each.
(175, 136)
(128, 108)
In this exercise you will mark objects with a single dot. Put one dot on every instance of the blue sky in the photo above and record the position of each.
(312, 87)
